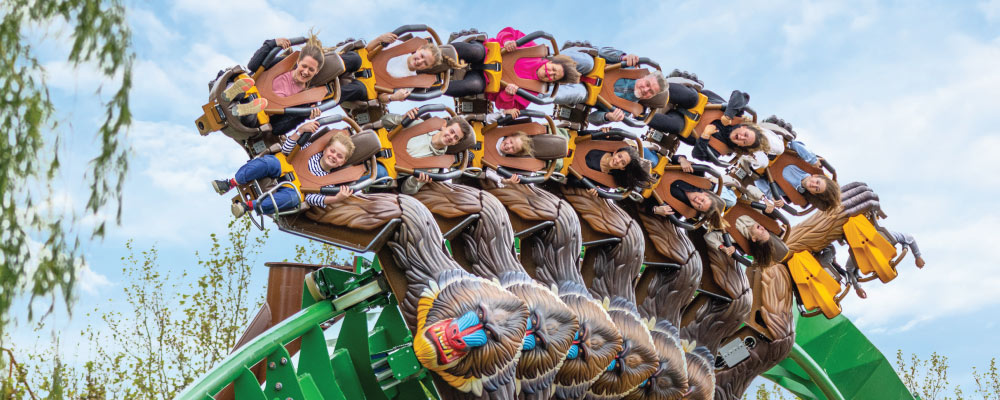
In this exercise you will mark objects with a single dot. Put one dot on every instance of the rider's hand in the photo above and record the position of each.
(615, 116)
(344, 193)
(686, 165)
(592, 192)
(729, 250)
(511, 89)
(311, 127)
(422, 177)
(513, 112)
(726, 120)
(315, 113)
(386, 38)
(708, 131)
(769, 206)
(400, 94)
(663, 209)
(779, 203)
(630, 60)
(283, 43)
(512, 180)
(509, 46)
(412, 114)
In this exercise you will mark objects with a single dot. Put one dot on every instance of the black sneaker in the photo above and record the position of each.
(221, 186)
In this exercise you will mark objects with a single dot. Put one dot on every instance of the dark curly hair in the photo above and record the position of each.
(635, 173)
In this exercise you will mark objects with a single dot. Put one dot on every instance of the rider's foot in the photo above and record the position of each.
(239, 208)
(222, 186)
(238, 87)
(861, 293)
(250, 108)
(920, 262)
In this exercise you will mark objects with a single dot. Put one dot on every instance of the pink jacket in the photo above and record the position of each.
(526, 68)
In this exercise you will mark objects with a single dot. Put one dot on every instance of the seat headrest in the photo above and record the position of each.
(333, 66)
(447, 50)
(366, 144)
(467, 36)
(549, 147)
(467, 142)
(659, 101)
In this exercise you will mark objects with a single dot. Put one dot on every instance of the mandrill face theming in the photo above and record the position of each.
(594, 347)
(633, 365)
(468, 331)
(670, 381)
(549, 335)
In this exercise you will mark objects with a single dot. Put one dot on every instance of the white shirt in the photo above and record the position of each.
(397, 68)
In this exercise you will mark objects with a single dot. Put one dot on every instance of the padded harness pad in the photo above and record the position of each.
(333, 66)
(382, 77)
(510, 76)
(663, 190)
(350, 172)
(778, 166)
(741, 209)
(549, 147)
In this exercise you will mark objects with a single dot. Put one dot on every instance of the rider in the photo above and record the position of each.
(434, 143)
(338, 149)
(819, 190)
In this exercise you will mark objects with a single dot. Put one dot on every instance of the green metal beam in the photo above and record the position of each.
(815, 372)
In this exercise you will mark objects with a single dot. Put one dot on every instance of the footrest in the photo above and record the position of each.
(872, 251)
(815, 286)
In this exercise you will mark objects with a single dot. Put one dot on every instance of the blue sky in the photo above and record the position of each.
(896, 94)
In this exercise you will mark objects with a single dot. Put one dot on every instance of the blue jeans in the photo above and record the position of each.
(650, 155)
(268, 167)
(379, 173)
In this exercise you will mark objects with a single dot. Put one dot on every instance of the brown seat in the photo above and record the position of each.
(405, 160)
(580, 160)
(778, 166)
(310, 95)
(333, 66)
(608, 89)
(663, 190)
(382, 77)
(510, 76)
(741, 209)
(548, 146)
(366, 144)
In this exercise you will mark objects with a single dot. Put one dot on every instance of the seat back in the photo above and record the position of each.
(741, 209)
(778, 166)
(663, 190)
(382, 77)
(510, 76)
(365, 146)
(333, 66)
(608, 89)
(535, 130)
(405, 160)
(580, 160)
(265, 80)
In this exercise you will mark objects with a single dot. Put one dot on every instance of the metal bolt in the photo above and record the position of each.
(277, 386)
(284, 361)
(271, 365)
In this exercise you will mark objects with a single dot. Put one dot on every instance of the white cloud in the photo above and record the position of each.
(90, 281)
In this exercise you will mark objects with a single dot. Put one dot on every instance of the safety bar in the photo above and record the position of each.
(537, 35)
(728, 241)
(277, 49)
(524, 179)
(423, 110)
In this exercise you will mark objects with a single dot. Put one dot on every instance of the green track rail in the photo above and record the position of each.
(366, 362)
(833, 360)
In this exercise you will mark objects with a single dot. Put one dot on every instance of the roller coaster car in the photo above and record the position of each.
(643, 109)
(816, 290)
(775, 176)
(324, 88)
(548, 146)
(609, 141)
(425, 85)
(712, 113)
(397, 160)
(296, 173)
(873, 250)
(492, 64)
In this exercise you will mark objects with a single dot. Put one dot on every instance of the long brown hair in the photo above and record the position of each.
(827, 199)
(570, 74)
(713, 217)
(759, 142)
(635, 173)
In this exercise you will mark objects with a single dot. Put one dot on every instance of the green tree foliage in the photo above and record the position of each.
(988, 382)
(28, 161)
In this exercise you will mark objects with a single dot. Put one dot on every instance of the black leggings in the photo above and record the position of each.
(474, 82)
(672, 121)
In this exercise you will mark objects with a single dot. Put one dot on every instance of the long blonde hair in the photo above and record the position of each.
(441, 62)
(314, 49)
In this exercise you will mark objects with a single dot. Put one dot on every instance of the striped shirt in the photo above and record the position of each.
(313, 199)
